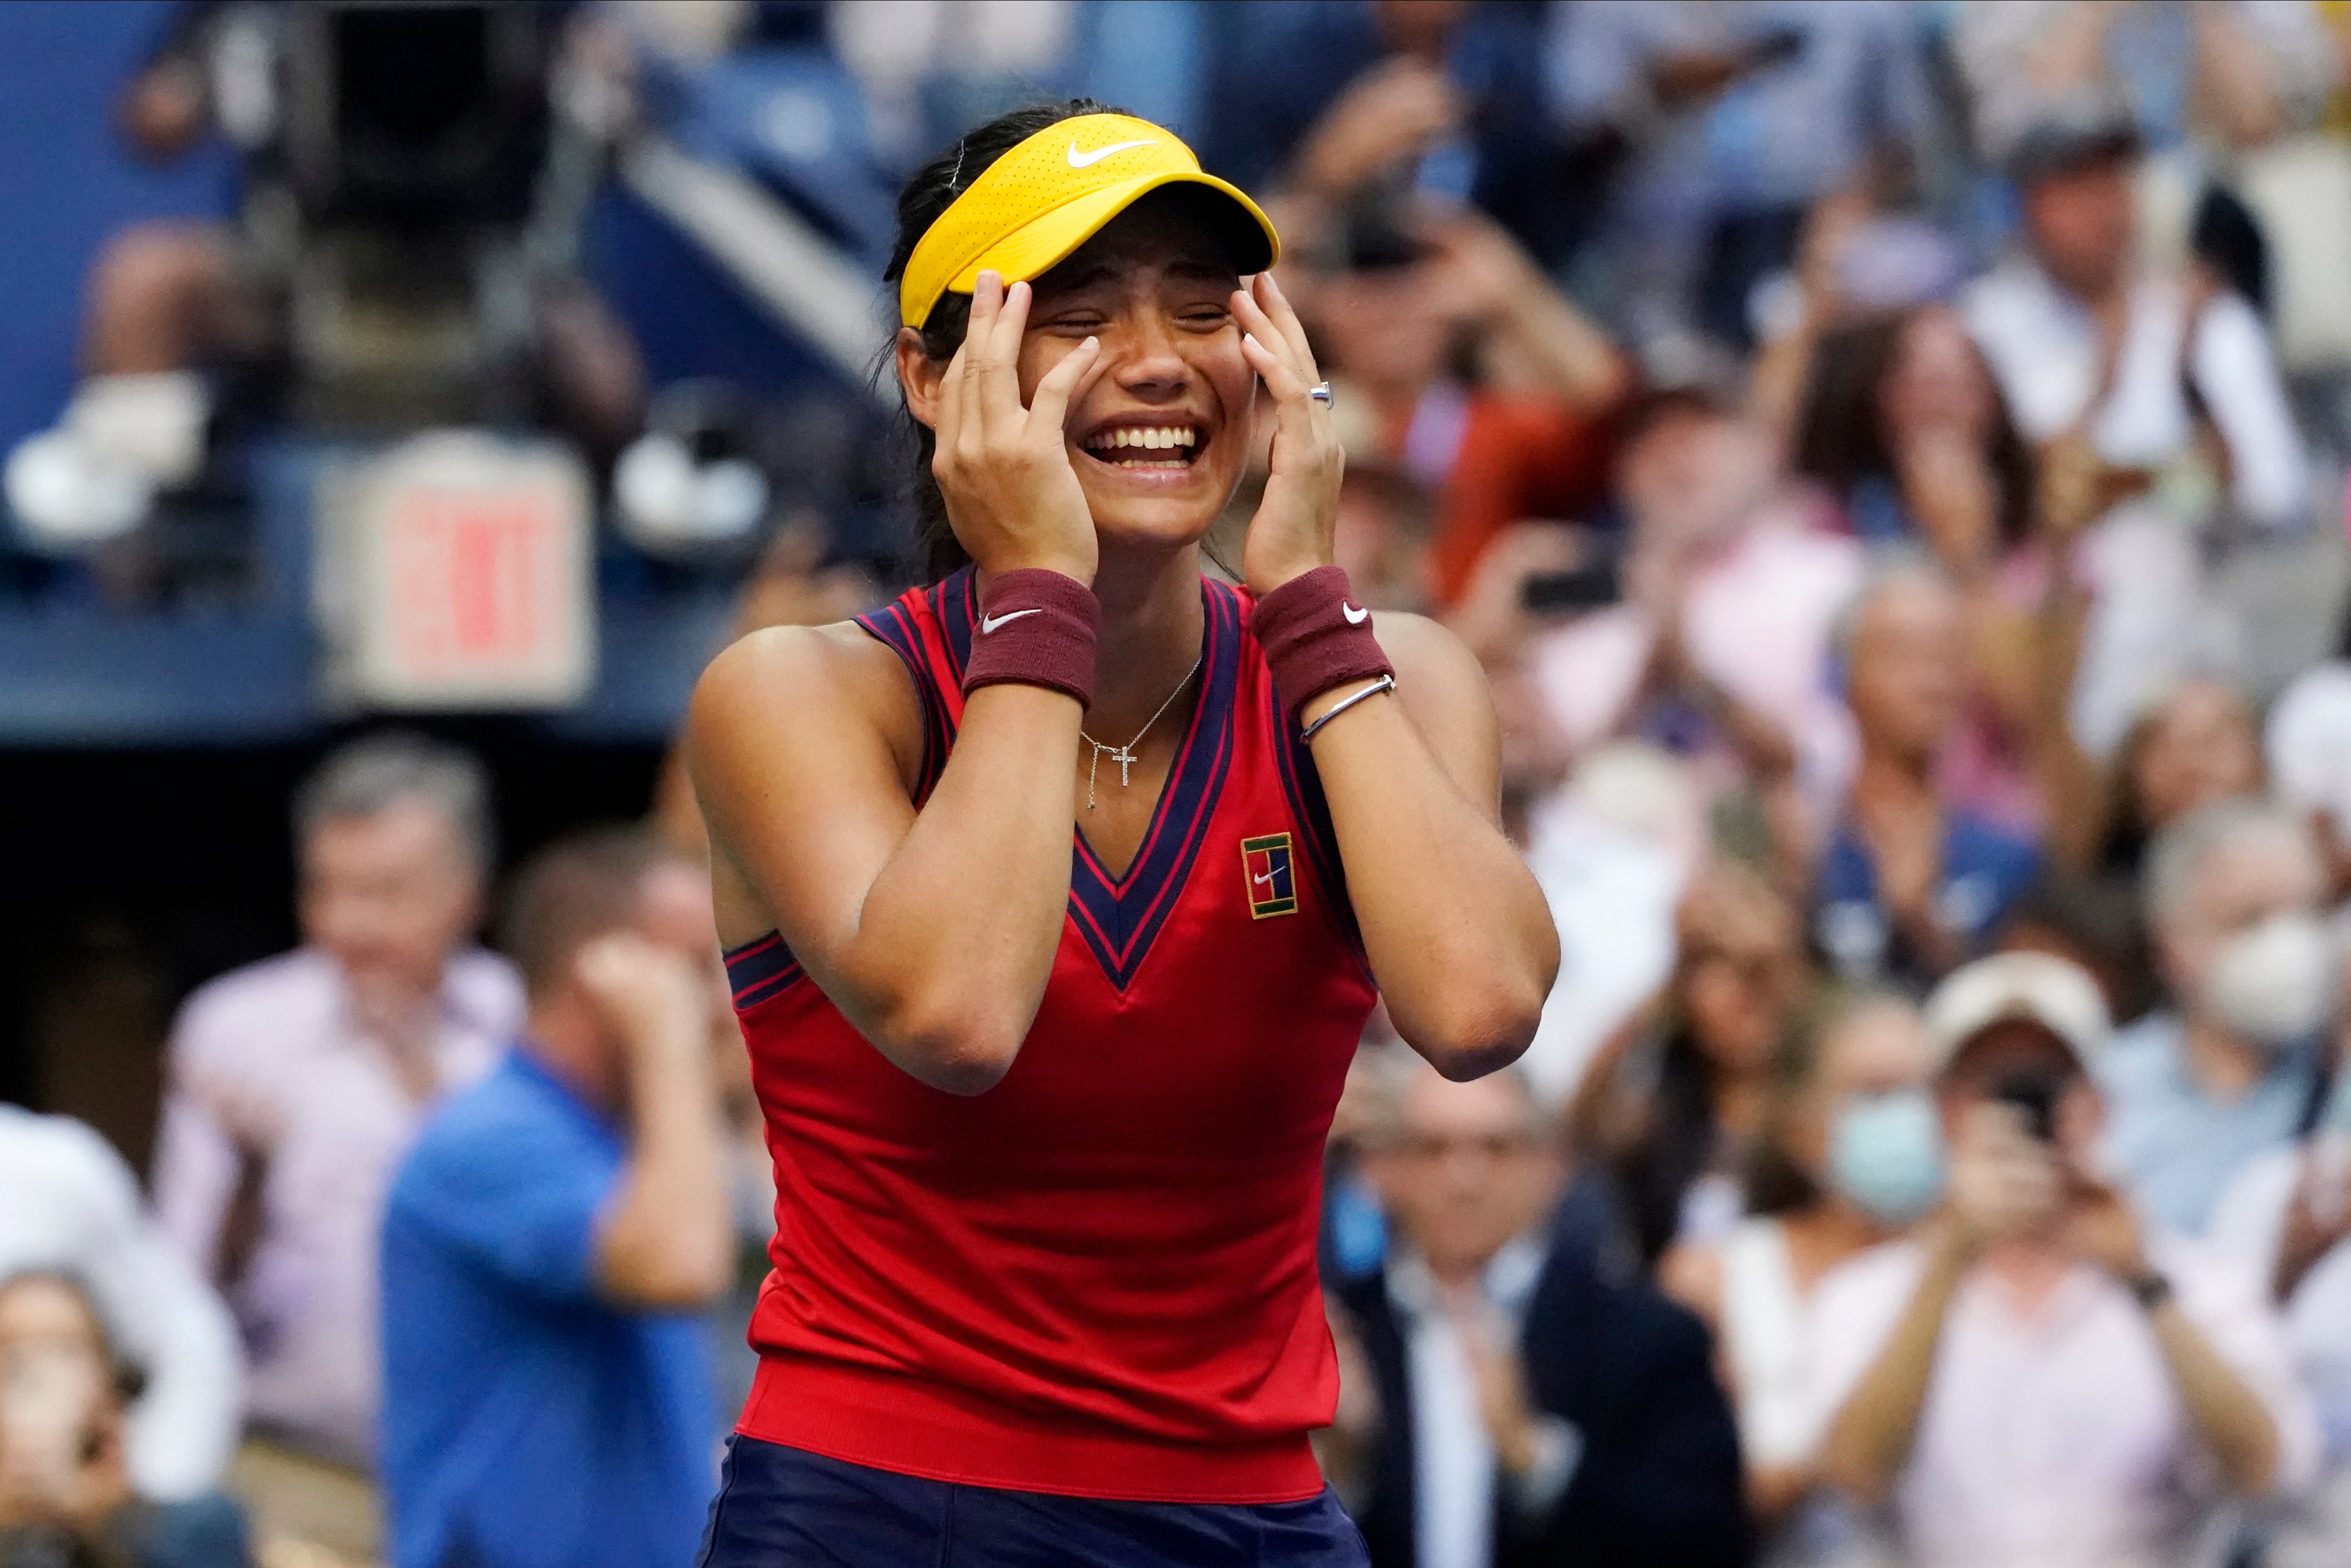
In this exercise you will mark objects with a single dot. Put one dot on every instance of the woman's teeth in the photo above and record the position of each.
(1112, 446)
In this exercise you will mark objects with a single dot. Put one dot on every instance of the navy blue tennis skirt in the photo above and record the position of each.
(786, 1508)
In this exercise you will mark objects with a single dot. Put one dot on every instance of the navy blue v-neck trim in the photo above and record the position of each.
(1119, 917)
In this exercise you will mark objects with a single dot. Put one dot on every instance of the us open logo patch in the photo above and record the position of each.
(1272, 883)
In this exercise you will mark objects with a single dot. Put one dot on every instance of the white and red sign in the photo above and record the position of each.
(457, 571)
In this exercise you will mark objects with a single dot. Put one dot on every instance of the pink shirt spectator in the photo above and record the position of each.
(2052, 1437)
(268, 1061)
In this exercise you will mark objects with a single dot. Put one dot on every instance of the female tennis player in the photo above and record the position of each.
(1047, 1107)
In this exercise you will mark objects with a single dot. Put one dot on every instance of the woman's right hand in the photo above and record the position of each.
(1012, 497)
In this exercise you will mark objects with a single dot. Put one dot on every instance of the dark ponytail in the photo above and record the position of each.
(933, 188)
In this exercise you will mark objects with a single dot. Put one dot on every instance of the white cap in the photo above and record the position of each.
(2036, 988)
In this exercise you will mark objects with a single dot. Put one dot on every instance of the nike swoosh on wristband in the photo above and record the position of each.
(1088, 159)
(1354, 617)
(990, 622)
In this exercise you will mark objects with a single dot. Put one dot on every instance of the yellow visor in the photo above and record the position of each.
(1051, 193)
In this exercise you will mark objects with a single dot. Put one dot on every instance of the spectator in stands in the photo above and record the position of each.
(1406, 300)
(295, 1084)
(1849, 1158)
(2237, 73)
(2226, 1071)
(2288, 1217)
(1709, 632)
(1905, 425)
(1435, 97)
(1535, 1403)
(2195, 744)
(1734, 119)
(2120, 394)
(2118, 378)
(553, 1238)
(1676, 1114)
(2034, 1377)
(1913, 884)
(67, 1493)
(70, 1206)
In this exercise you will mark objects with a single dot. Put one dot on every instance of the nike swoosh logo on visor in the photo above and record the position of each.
(1088, 159)
(1354, 617)
(990, 622)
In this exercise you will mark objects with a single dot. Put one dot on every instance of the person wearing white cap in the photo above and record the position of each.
(2034, 1377)
(2229, 1070)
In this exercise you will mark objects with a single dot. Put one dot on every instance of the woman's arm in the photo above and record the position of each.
(932, 932)
(1457, 934)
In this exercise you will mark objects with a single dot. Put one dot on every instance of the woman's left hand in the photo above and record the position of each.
(1290, 534)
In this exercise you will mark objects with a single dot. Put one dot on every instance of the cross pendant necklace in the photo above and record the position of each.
(1124, 755)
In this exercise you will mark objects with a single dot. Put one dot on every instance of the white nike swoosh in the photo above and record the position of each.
(1266, 878)
(990, 622)
(1088, 159)
(1354, 617)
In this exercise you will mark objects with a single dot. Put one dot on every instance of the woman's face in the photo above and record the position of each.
(1878, 1049)
(1741, 975)
(1160, 438)
(1937, 380)
(2200, 747)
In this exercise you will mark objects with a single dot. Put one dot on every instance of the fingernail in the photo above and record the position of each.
(1250, 338)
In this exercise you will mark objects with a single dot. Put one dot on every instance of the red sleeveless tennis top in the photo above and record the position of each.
(1097, 1279)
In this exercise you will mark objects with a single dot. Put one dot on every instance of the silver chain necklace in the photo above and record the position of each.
(1124, 755)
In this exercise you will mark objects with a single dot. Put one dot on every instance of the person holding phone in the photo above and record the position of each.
(2033, 1375)
(67, 1496)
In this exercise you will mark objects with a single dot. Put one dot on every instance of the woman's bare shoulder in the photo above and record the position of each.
(809, 681)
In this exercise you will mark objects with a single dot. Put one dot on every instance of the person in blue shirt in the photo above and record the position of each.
(548, 1245)
(2230, 1069)
(1912, 885)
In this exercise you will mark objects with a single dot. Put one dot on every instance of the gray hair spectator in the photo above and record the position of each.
(1533, 1401)
(2226, 1071)
(67, 1492)
(1851, 1158)
(1913, 884)
(2034, 1375)
(549, 1244)
(295, 1084)
(72, 1206)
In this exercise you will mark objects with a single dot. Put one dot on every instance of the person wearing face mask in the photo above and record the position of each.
(2033, 1375)
(1851, 1157)
(2228, 1072)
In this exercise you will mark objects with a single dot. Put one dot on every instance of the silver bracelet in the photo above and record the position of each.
(1384, 684)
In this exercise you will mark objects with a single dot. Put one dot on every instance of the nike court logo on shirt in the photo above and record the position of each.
(1354, 617)
(990, 622)
(1261, 880)
(1088, 159)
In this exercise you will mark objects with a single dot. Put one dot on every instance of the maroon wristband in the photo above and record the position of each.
(1315, 636)
(1037, 628)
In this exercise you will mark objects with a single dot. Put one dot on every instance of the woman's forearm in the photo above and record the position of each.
(2224, 1410)
(956, 939)
(1455, 927)
(1869, 1442)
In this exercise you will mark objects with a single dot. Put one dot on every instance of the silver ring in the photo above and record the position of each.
(1320, 393)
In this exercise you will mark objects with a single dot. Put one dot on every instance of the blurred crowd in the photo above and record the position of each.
(1889, 460)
